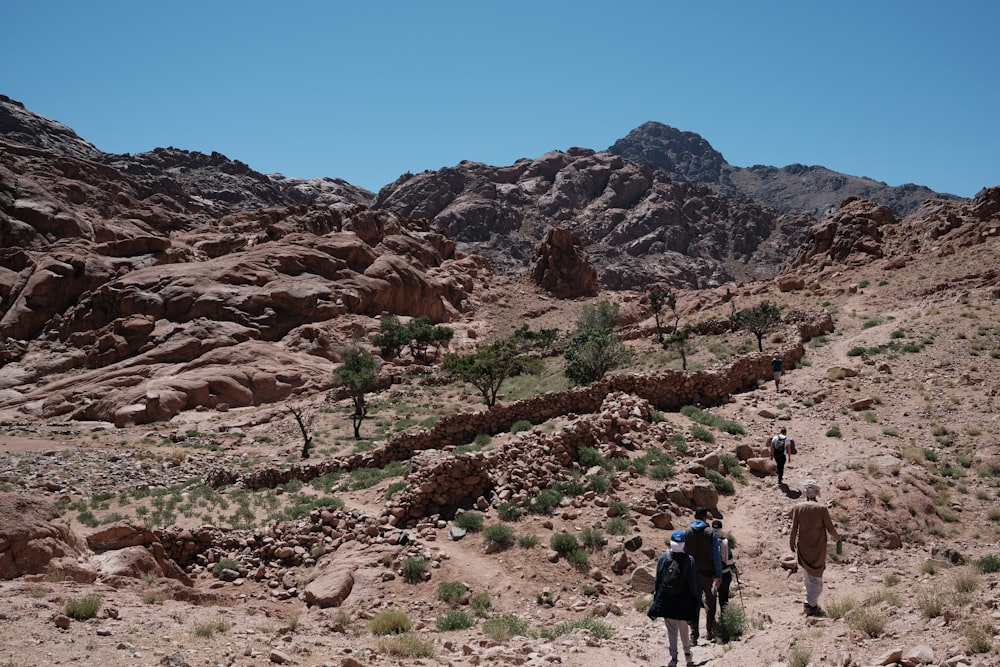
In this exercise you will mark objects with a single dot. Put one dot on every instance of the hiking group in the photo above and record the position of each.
(696, 572)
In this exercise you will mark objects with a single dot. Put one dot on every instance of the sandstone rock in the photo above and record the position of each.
(643, 577)
(32, 534)
(921, 654)
(133, 562)
(331, 587)
(762, 466)
(563, 268)
(119, 535)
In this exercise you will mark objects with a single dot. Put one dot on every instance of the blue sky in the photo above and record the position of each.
(902, 91)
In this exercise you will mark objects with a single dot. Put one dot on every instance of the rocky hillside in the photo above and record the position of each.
(686, 156)
(636, 224)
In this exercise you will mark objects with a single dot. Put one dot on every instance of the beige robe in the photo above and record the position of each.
(810, 523)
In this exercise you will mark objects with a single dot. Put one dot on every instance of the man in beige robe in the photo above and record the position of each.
(810, 524)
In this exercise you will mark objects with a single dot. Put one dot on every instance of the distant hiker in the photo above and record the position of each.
(676, 596)
(728, 565)
(781, 452)
(810, 524)
(776, 369)
(703, 545)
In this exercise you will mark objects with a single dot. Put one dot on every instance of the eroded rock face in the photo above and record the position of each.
(636, 225)
(563, 268)
(34, 538)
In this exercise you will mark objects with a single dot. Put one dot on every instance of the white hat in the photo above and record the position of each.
(811, 488)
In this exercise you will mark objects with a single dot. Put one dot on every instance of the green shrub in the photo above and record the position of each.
(449, 591)
(592, 538)
(840, 607)
(618, 526)
(732, 624)
(406, 645)
(413, 569)
(701, 433)
(856, 351)
(502, 627)
(520, 425)
(153, 597)
(454, 620)
(83, 608)
(545, 502)
(930, 602)
(834, 432)
(721, 484)
(980, 636)
(799, 655)
(598, 483)
(564, 543)
(578, 558)
(208, 629)
(527, 541)
(868, 621)
(713, 420)
(571, 487)
(470, 521)
(621, 508)
(390, 622)
(395, 488)
(509, 512)
(480, 602)
(599, 629)
(500, 534)
(989, 564)
(590, 457)
(732, 466)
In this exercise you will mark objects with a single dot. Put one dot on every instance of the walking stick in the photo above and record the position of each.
(739, 586)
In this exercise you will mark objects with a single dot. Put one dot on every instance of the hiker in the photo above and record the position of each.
(810, 524)
(676, 596)
(776, 370)
(781, 452)
(728, 566)
(703, 545)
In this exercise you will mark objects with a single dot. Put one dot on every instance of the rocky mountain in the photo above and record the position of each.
(686, 156)
(637, 225)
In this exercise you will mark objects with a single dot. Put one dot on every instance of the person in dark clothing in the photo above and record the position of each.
(776, 370)
(680, 607)
(728, 565)
(703, 545)
(781, 452)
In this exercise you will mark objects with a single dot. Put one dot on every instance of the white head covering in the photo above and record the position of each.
(677, 547)
(811, 488)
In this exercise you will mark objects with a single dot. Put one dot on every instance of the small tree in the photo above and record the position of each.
(680, 340)
(659, 297)
(422, 334)
(392, 336)
(488, 367)
(759, 321)
(595, 349)
(305, 423)
(357, 373)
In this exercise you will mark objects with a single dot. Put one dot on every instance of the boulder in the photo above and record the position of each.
(643, 577)
(34, 538)
(762, 466)
(331, 588)
(563, 268)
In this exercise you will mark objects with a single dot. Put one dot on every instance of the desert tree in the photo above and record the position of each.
(760, 321)
(305, 425)
(490, 365)
(658, 298)
(418, 335)
(358, 374)
(594, 349)
(680, 340)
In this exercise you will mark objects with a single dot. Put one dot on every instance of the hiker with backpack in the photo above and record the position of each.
(702, 544)
(728, 565)
(776, 363)
(781, 452)
(676, 596)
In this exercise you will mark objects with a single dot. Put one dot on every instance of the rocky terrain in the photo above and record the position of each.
(164, 356)
(686, 156)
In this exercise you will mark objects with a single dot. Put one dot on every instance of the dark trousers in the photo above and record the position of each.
(727, 581)
(705, 582)
(780, 460)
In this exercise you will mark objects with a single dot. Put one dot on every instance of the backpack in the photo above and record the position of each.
(672, 581)
(779, 443)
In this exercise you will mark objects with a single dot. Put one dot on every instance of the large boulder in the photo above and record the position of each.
(563, 268)
(35, 539)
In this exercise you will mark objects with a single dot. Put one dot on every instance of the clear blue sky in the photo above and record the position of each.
(902, 91)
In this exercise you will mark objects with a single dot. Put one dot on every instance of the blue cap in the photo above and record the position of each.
(677, 536)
